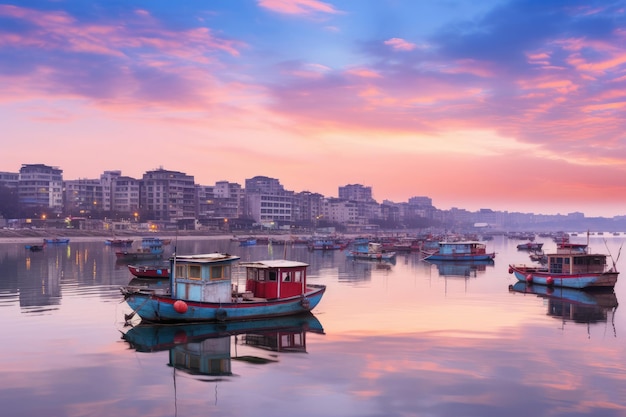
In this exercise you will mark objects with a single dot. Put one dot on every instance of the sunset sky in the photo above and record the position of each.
(508, 105)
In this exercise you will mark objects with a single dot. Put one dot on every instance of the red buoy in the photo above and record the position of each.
(550, 281)
(529, 278)
(510, 270)
(180, 306)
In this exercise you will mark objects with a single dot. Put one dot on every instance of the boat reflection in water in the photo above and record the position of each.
(568, 304)
(205, 348)
(464, 269)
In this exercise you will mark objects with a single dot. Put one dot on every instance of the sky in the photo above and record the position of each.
(513, 105)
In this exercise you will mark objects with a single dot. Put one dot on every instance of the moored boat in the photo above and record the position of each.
(57, 241)
(373, 251)
(532, 246)
(151, 248)
(118, 242)
(34, 248)
(201, 289)
(571, 266)
(460, 251)
(150, 271)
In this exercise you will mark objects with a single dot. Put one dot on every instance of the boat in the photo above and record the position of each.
(247, 241)
(201, 288)
(34, 248)
(326, 244)
(571, 266)
(118, 242)
(460, 251)
(57, 241)
(151, 248)
(572, 304)
(150, 271)
(532, 246)
(365, 249)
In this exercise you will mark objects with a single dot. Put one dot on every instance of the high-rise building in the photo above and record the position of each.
(168, 196)
(41, 187)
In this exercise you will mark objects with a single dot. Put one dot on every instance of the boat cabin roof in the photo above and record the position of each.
(205, 258)
(278, 263)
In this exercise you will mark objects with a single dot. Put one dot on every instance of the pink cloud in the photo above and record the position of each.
(298, 7)
(399, 44)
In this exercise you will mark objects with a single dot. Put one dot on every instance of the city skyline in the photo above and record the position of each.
(509, 105)
(369, 190)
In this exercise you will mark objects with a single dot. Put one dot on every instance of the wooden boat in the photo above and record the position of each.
(201, 289)
(247, 241)
(326, 244)
(118, 242)
(57, 241)
(571, 266)
(460, 251)
(150, 271)
(151, 248)
(534, 246)
(373, 251)
(34, 248)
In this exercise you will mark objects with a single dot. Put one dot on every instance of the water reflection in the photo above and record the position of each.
(205, 349)
(573, 305)
(465, 269)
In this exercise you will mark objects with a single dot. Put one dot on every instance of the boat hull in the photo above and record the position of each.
(149, 271)
(157, 308)
(460, 257)
(579, 281)
(385, 256)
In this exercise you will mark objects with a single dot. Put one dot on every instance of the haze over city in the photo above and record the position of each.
(508, 105)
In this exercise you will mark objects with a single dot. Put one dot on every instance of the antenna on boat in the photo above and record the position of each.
(611, 255)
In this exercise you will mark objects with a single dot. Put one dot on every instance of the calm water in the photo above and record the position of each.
(398, 340)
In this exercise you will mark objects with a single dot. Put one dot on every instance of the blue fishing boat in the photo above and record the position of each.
(201, 289)
(460, 251)
(247, 242)
(151, 248)
(57, 241)
(363, 248)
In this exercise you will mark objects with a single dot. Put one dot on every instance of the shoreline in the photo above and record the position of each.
(32, 235)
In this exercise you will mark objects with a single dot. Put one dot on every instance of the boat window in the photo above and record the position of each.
(217, 272)
(194, 272)
(297, 276)
(181, 271)
(286, 277)
(272, 275)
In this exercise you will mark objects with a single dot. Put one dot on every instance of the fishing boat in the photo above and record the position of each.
(34, 248)
(151, 248)
(150, 271)
(326, 244)
(57, 241)
(250, 241)
(531, 246)
(118, 242)
(202, 289)
(460, 251)
(571, 266)
(373, 251)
